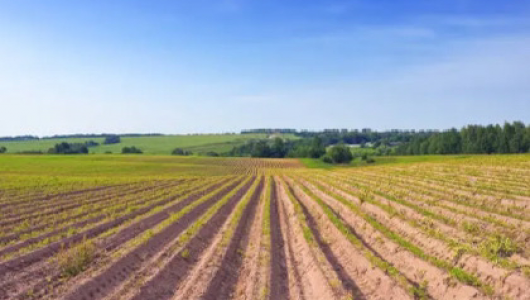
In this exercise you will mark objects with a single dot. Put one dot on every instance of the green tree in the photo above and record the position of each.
(131, 150)
(180, 151)
(340, 154)
(517, 143)
(3, 149)
(67, 148)
(278, 148)
(527, 139)
(112, 139)
(261, 149)
(317, 148)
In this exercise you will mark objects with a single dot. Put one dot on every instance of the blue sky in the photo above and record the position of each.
(185, 66)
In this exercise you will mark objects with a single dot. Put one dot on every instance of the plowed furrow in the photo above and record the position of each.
(345, 279)
(66, 226)
(223, 283)
(162, 285)
(279, 287)
(295, 267)
(469, 206)
(43, 286)
(471, 262)
(253, 277)
(16, 264)
(38, 213)
(105, 282)
(151, 221)
(315, 278)
(31, 206)
(66, 194)
(375, 277)
(28, 210)
(410, 260)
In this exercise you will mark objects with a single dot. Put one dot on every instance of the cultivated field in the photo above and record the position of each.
(147, 227)
(149, 144)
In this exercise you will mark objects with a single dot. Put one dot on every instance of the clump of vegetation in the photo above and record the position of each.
(75, 260)
(212, 153)
(327, 159)
(367, 159)
(340, 154)
(470, 227)
(131, 150)
(30, 152)
(3, 149)
(112, 139)
(185, 253)
(420, 292)
(91, 143)
(499, 246)
(69, 148)
(180, 151)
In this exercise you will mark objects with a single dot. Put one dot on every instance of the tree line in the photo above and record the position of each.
(279, 148)
(69, 136)
(69, 148)
(473, 139)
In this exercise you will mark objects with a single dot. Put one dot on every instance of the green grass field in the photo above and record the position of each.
(198, 144)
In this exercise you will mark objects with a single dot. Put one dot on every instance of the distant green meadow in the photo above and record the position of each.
(198, 144)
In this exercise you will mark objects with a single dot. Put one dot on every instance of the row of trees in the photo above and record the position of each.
(69, 148)
(509, 138)
(131, 150)
(338, 154)
(112, 139)
(279, 148)
(68, 136)
(268, 130)
(181, 152)
(82, 148)
(309, 148)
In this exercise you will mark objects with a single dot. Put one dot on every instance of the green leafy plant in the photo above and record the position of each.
(185, 253)
(76, 259)
(499, 246)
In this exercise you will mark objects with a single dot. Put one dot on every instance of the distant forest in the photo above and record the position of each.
(72, 136)
(511, 137)
(473, 139)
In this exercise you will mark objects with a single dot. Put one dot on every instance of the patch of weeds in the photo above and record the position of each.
(71, 231)
(264, 293)
(470, 279)
(420, 292)
(185, 253)
(459, 252)
(150, 234)
(470, 227)
(334, 283)
(499, 246)
(526, 271)
(76, 259)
